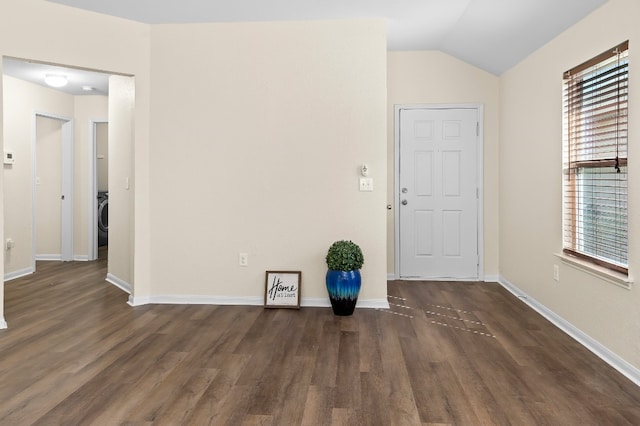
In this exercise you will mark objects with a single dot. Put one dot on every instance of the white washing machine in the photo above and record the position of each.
(103, 218)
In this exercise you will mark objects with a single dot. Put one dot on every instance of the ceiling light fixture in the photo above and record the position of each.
(88, 88)
(55, 80)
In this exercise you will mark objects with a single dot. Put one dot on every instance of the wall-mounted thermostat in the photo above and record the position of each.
(8, 157)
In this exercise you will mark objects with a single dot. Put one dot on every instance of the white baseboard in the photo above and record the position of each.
(81, 258)
(487, 278)
(626, 369)
(319, 302)
(48, 257)
(122, 285)
(3, 323)
(315, 302)
(324, 302)
(17, 274)
(373, 304)
(179, 299)
(138, 301)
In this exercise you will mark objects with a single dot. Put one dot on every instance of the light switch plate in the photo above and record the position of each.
(366, 184)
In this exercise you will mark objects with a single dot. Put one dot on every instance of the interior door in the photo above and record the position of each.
(48, 188)
(438, 190)
(53, 216)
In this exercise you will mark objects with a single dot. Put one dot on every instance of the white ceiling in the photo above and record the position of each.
(493, 35)
(35, 72)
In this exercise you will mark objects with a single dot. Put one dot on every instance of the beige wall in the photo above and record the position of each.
(20, 101)
(431, 77)
(315, 96)
(121, 181)
(3, 323)
(256, 149)
(531, 179)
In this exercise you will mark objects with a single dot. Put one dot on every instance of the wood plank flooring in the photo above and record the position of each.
(450, 353)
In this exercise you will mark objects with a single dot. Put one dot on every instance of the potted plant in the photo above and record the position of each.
(344, 260)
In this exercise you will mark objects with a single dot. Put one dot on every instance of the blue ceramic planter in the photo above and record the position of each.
(343, 288)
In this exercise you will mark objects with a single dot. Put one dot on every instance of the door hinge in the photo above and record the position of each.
(477, 128)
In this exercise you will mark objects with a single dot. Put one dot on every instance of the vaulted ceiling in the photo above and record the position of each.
(493, 35)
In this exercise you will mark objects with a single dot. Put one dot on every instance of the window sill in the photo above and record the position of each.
(605, 274)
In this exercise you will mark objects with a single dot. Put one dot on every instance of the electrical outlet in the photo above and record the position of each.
(556, 272)
(243, 259)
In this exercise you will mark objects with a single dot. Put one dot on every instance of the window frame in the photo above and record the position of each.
(586, 151)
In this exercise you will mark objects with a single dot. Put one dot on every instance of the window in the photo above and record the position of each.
(595, 159)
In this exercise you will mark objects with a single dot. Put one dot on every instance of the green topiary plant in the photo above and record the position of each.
(344, 256)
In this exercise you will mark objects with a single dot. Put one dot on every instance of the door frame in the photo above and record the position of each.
(479, 108)
(93, 189)
(66, 226)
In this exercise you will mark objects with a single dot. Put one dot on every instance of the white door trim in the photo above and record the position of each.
(66, 246)
(93, 189)
(479, 178)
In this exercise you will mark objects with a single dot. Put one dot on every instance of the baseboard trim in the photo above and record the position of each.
(81, 258)
(486, 278)
(319, 302)
(122, 285)
(324, 302)
(195, 300)
(373, 304)
(17, 274)
(315, 302)
(138, 301)
(629, 371)
(51, 257)
(3, 323)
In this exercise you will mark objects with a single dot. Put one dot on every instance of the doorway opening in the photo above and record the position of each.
(98, 231)
(52, 191)
(79, 108)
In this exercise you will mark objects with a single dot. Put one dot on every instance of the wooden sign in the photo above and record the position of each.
(282, 289)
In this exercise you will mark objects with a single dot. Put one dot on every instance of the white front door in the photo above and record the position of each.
(438, 193)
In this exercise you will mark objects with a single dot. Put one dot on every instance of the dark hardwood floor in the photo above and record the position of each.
(451, 353)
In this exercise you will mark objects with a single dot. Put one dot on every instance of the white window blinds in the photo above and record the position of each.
(595, 159)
